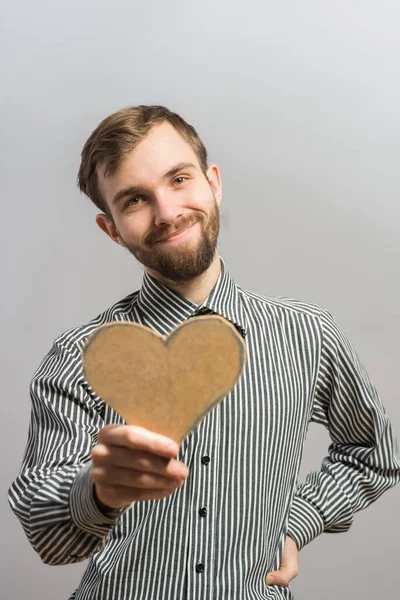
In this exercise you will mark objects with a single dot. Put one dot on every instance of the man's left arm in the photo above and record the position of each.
(362, 461)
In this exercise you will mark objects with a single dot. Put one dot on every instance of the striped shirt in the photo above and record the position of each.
(218, 536)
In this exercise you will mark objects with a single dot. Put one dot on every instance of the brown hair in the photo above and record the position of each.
(118, 134)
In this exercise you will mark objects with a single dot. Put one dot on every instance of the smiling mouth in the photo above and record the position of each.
(175, 234)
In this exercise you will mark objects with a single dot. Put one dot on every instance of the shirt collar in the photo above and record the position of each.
(164, 309)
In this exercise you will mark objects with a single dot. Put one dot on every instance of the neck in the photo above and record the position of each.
(195, 290)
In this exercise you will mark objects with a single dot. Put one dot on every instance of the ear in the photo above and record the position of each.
(214, 178)
(107, 225)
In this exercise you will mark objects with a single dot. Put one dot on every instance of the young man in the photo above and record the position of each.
(217, 515)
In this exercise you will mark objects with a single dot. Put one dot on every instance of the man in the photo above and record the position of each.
(221, 516)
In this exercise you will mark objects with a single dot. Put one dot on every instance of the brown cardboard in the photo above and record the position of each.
(166, 384)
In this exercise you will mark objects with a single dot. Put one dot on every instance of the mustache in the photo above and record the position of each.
(166, 231)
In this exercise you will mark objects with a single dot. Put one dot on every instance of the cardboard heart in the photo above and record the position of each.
(166, 384)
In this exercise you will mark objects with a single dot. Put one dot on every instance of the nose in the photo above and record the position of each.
(166, 211)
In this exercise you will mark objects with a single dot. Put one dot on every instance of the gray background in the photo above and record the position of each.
(298, 103)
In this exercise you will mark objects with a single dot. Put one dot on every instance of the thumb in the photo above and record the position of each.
(282, 577)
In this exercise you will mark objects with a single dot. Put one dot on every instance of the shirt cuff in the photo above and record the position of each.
(85, 511)
(305, 522)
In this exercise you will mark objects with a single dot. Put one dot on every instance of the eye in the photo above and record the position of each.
(133, 201)
(179, 180)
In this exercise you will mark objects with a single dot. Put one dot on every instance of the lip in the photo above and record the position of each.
(177, 236)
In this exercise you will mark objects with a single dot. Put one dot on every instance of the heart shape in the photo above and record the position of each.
(166, 384)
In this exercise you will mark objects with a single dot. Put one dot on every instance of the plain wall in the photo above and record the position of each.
(298, 103)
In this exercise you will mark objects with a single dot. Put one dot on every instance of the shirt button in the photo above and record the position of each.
(203, 511)
(205, 460)
(199, 567)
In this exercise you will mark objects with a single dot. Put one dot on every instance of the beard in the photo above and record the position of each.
(182, 263)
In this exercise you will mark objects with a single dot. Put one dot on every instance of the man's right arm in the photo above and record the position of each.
(69, 493)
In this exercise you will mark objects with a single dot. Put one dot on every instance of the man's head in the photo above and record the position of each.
(146, 169)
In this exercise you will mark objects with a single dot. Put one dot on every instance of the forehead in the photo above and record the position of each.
(162, 141)
(145, 165)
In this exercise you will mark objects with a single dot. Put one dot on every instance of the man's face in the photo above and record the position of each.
(163, 208)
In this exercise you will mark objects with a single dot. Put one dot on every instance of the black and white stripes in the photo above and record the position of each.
(218, 536)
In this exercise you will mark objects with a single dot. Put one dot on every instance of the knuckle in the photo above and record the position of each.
(96, 453)
(95, 450)
(104, 432)
(153, 481)
(98, 474)
(131, 435)
(100, 454)
(141, 480)
(175, 467)
(142, 463)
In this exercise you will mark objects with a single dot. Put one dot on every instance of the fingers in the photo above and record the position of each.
(131, 463)
(119, 496)
(138, 438)
(120, 477)
(105, 456)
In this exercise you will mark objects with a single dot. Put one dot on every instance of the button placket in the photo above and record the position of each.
(202, 513)
(202, 567)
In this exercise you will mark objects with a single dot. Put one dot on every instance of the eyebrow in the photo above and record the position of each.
(137, 189)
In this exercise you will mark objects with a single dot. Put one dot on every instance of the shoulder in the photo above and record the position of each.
(310, 323)
(310, 320)
(280, 305)
(72, 340)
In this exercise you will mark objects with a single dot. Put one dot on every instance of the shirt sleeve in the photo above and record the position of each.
(53, 495)
(363, 459)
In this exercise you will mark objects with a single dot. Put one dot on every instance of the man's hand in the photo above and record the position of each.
(131, 463)
(289, 565)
